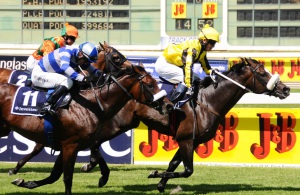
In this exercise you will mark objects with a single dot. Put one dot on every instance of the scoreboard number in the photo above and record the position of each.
(202, 22)
(183, 24)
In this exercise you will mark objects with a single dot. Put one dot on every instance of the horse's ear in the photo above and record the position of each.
(243, 60)
(141, 64)
(247, 60)
(101, 45)
(106, 44)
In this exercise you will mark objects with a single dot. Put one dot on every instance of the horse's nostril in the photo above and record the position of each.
(286, 90)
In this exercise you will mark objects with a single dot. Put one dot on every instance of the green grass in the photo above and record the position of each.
(295, 90)
(132, 180)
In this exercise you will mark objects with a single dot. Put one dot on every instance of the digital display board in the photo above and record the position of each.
(152, 23)
(186, 18)
(122, 22)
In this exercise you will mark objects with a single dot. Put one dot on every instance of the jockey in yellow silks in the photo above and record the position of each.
(176, 62)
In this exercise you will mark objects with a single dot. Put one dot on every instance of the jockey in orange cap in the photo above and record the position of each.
(69, 34)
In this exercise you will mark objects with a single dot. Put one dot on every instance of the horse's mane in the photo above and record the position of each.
(236, 68)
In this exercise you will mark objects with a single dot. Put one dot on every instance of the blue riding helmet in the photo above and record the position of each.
(89, 51)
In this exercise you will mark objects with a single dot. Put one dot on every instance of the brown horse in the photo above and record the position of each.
(109, 60)
(80, 124)
(248, 73)
(199, 120)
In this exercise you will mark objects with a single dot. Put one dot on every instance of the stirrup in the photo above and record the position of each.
(48, 109)
(190, 91)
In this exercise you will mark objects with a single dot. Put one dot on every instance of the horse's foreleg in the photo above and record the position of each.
(69, 158)
(96, 158)
(176, 160)
(54, 176)
(36, 150)
(185, 153)
(104, 171)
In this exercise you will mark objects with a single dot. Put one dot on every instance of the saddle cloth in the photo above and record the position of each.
(28, 101)
(19, 77)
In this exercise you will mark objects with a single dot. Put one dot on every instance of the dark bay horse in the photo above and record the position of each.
(79, 125)
(248, 73)
(109, 60)
(196, 124)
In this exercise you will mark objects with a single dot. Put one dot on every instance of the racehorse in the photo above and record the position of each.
(194, 125)
(109, 60)
(78, 125)
(199, 119)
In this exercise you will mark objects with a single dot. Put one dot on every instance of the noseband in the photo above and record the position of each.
(260, 80)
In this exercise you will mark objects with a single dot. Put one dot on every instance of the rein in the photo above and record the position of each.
(92, 86)
(229, 79)
(116, 81)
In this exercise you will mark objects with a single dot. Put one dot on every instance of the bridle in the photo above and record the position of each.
(115, 70)
(144, 88)
(110, 65)
(260, 80)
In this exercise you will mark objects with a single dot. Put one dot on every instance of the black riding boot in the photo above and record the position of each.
(178, 94)
(54, 97)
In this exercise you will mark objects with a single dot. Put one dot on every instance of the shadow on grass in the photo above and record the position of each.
(28, 169)
(199, 189)
(112, 168)
(186, 189)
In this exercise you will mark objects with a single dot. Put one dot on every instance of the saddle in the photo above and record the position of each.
(63, 101)
(191, 94)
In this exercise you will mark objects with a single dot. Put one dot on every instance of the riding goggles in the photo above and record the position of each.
(71, 38)
(92, 59)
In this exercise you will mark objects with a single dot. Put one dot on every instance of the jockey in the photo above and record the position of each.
(69, 34)
(56, 70)
(176, 62)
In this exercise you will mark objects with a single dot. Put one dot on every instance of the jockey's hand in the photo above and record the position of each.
(88, 79)
(213, 70)
(98, 73)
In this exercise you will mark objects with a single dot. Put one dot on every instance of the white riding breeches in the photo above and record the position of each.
(31, 62)
(170, 72)
(48, 79)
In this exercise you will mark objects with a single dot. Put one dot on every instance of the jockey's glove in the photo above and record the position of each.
(97, 73)
(88, 79)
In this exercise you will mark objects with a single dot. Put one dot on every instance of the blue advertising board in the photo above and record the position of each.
(14, 147)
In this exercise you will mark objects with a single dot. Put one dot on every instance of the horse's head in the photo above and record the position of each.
(110, 60)
(259, 80)
(146, 90)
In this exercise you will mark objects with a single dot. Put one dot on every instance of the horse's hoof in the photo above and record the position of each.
(30, 184)
(153, 174)
(176, 190)
(84, 168)
(10, 172)
(18, 182)
(102, 182)
(161, 187)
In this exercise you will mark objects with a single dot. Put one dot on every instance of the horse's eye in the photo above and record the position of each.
(151, 86)
(116, 58)
(264, 74)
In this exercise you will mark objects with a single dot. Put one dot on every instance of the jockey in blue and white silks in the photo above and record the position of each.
(57, 70)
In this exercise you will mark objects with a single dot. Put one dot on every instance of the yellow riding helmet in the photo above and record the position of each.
(209, 33)
(69, 30)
